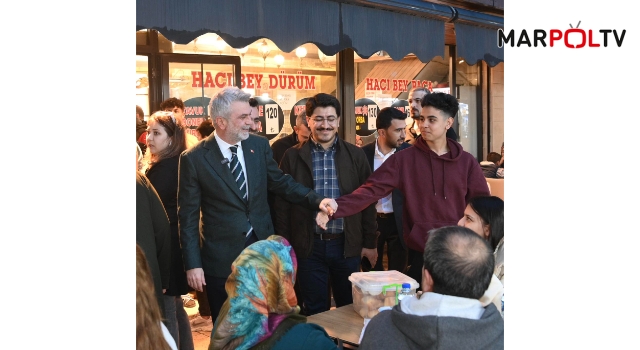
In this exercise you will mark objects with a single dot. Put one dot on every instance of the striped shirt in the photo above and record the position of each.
(325, 179)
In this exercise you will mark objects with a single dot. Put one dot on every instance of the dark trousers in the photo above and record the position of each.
(216, 293)
(396, 253)
(203, 302)
(416, 262)
(326, 263)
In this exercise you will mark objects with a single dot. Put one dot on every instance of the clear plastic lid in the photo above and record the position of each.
(372, 282)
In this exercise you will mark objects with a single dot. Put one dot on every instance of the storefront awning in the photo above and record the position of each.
(477, 38)
(398, 27)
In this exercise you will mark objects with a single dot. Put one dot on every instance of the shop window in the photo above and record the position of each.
(142, 84)
(281, 81)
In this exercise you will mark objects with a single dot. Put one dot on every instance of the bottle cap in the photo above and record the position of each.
(406, 285)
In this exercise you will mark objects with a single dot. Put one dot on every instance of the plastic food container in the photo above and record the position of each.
(375, 289)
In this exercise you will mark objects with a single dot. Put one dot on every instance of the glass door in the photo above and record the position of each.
(194, 79)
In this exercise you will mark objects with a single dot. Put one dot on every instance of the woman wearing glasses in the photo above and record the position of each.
(166, 139)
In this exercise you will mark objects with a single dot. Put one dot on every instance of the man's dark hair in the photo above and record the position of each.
(139, 111)
(205, 128)
(491, 211)
(171, 103)
(444, 102)
(386, 114)
(460, 262)
(494, 157)
(322, 100)
(253, 102)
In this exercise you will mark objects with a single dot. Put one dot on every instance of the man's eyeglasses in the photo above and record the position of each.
(321, 119)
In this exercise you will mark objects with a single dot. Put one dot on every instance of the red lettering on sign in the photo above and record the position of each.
(250, 84)
(273, 81)
(292, 82)
(258, 80)
(209, 80)
(299, 82)
(369, 84)
(310, 82)
(260, 111)
(196, 78)
(220, 80)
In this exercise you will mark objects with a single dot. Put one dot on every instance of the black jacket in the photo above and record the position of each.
(282, 145)
(397, 199)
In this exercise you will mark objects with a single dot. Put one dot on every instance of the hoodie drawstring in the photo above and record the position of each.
(433, 181)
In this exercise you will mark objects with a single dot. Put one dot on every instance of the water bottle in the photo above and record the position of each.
(406, 291)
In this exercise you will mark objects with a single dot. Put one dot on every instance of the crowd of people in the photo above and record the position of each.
(265, 235)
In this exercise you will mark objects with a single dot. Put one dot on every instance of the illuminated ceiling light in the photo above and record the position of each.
(243, 50)
(461, 60)
(279, 60)
(220, 45)
(264, 51)
(301, 52)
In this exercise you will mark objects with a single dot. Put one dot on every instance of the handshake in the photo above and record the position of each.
(328, 207)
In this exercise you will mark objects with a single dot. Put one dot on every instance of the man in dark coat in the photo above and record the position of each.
(390, 125)
(226, 178)
(332, 167)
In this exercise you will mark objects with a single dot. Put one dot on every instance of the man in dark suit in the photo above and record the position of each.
(390, 124)
(332, 167)
(226, 177)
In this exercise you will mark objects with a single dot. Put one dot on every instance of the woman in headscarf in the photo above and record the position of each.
(261, 311)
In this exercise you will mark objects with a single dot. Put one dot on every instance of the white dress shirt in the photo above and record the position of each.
(384, 205)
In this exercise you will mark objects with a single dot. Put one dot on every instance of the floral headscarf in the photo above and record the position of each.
(260, 294)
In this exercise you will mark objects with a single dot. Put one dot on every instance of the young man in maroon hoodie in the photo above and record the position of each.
(436, 176)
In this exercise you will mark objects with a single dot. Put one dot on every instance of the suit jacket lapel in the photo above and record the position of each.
(214, 158)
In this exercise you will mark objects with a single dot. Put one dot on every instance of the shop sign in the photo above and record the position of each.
(254, 80)
(196, 110)
(402, 106)
(300, 106)
(271, 117)
(366, 113)
(383, 84)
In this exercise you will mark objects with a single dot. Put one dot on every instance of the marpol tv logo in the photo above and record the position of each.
(573, 38)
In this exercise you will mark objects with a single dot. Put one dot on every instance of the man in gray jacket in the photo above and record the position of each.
(458, 265)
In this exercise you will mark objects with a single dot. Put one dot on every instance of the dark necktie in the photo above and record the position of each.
(238, 174)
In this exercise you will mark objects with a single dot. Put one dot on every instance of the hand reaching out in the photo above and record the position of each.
(322, 219)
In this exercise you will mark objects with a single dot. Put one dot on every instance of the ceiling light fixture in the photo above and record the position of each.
(243, 50)
(264, 51)
(279, 60)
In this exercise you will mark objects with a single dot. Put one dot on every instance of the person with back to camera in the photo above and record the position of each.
(151, 333)
(261, 311)
(458, 265)
(485, 216)
(166, 139)
(490, 166)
